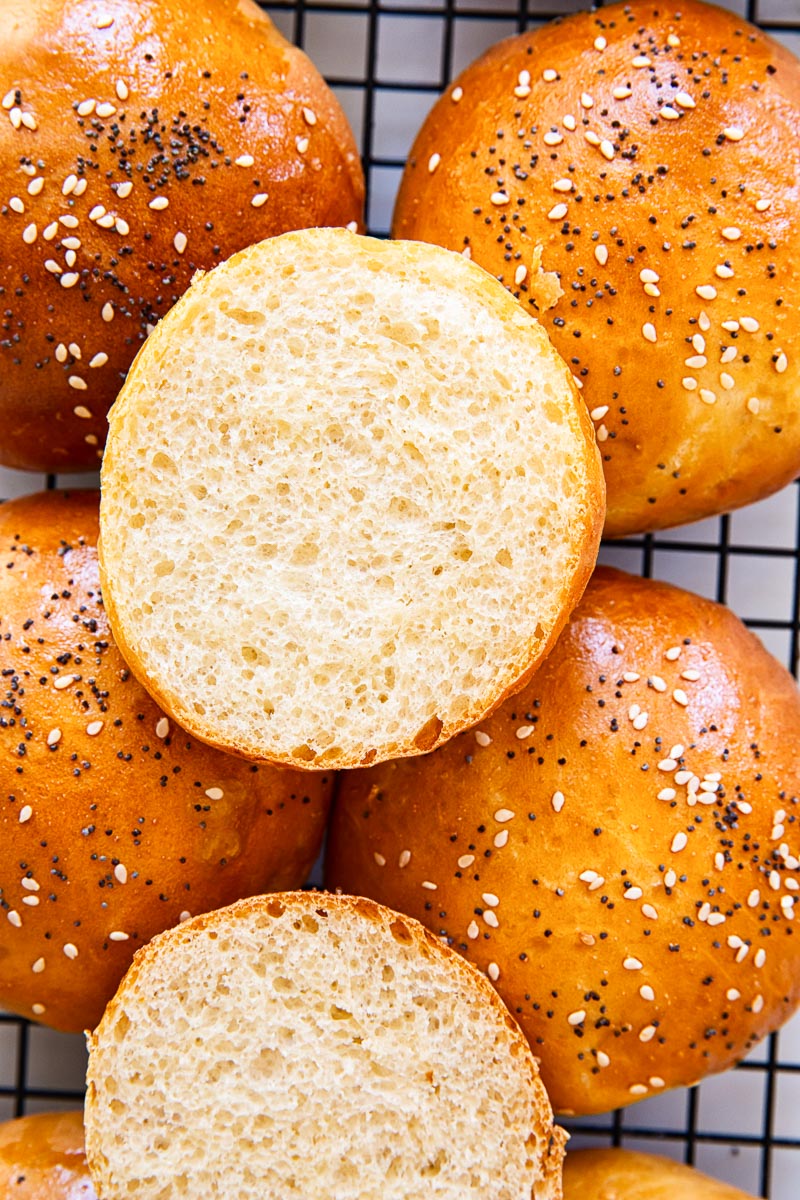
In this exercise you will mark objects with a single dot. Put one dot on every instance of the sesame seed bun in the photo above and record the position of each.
(363, 434)
(628, 1175)
(115, 823)
(42, 1158)
(616, 846)
(139, 141)
(630, 174)
(313, 1045)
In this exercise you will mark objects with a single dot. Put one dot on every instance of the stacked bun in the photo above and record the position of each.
(115, 823)
(630, 175)
(616, 847)
(42, 1158)
(140, 140)
(359, 514)
(313, 1045)
(628, 1175)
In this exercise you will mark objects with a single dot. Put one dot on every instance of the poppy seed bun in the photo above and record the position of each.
(616, 846)
(631, 174)
(42, 1158)
(313, 1045)
(359, 513)
(139, 140)
(628, 1175)
(114, 822)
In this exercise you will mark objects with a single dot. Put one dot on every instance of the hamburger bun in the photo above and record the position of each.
(139, 140)
(628, 1175)
(616, 847)
(630, 175)
(115, 823)
(358, 515)
(312, 1045)
(42, 1158)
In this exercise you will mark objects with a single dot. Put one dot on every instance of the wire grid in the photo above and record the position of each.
(387, 62)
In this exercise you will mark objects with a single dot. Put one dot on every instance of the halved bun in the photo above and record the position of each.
(349, 497)
(617, 846)
(115, 823)
(139, 140)
(630, 174)
(313, 1045)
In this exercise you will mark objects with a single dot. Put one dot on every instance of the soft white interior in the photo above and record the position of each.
(343, 503)
(289, 1056)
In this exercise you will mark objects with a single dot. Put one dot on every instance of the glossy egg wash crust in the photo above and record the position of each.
(114, 823)
(616, 847)
(140, 140)
(633, 177)
(359, 512)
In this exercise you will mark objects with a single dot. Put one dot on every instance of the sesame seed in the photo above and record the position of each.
(520, 274)
(631, 677)
(68, 221)
(179, 242)
(504, 814)
(31, 901)
(98, 360)
(632, 964)
(753, 405)
(667, 794)
(260, 199)
(706, 291)
(121, 873)
(482, 738)
(25, 814)
(69, 280)
(214, 793)
(569, 123)
(473, 930)
(29, 234)
(493, 971)
(731, 233)
(733, 994)
(597, 414)
(728, 355)
(699, 343)
(500, 839)
(522, 91)
(106, 109)
(577, 1017)
(634, 893)
(680, 697)
(63, 681)
(649, 912)
(97, 212)
(185, 915)
(122, 227)
(524, 731)
(490, 918)
(124, 190)
(301, 144)
(14, 918)
(456, 94)
(38, 966)
(86, 108)
(118, 936)
(53, 267)
(557, 801)
(70, 950)
(602, 1059)
(588, 876)
(638, 1089)
(601, 433)
(404, 859)
(647, 1034)
(726, 380)
(490, 899)
(682, 777)
(77, 383)
(781, 363)
(104, 21)
(679, 842)
(499, 198)
(431, 887)
(8, 99)
(553, 138)
(15, 117)
(719, 860)
(667, 764)
(549, 75)
(379, 859)
(35, 186)
(466, 860)
(762, 205)
(586, 100)
(433, 162)
(676, 751)
(669, 113)
(684, 100)
(558, 212)
(708, 397)
(696, 361)
(670, 879)
(80, 410)
(16, 205)
(563, 185)
(758, 1004)
(649, 332)
(94, 727)
(716, 919)
(158, 203)
(162, 727)
(607, 149)
(733, 133)
(641, 721)
(750, 324)
(622, 93)
(591, 137)
(107, 312)
(760, 957)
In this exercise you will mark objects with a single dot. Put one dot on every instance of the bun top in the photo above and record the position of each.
(42, 1158)
(359, 513)
(630, 174)
(628, 1175)
(616, 846)
(114, 823)
(139, 140)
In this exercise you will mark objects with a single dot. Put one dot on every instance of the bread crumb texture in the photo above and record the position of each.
(350, 496)
(308, 1045)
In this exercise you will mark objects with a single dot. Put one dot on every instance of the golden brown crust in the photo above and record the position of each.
(548, 1139)
(114, 821)
(628, 1175)
(182, 91)
(42, 1158)
(662, 187)
(634, 908)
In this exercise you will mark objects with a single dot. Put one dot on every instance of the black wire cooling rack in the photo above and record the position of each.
(387, 62)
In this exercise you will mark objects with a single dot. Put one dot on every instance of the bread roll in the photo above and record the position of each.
(616, 846)
(359, 513)
(628, 1175)
(139, 140)
(312, 1045)
(42, 1158)
(631, 176)
(114, 822)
